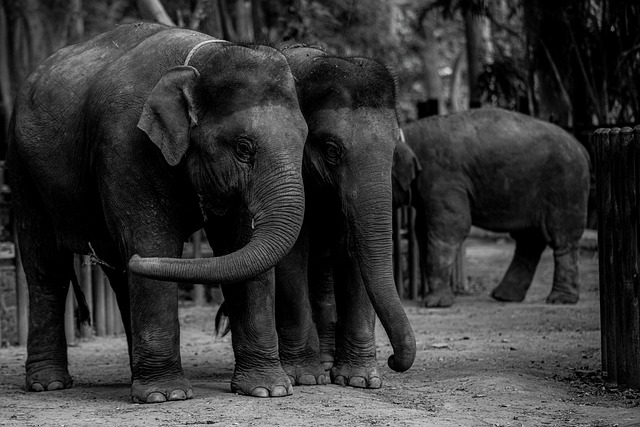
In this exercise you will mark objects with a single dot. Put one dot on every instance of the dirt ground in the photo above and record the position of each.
(479, 363)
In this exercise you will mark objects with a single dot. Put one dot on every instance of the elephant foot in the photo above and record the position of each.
(438, 299)
(306, 374)
(507, 294)
(558, 297)
(262, 383)
(359, 377)
(161, 391)
(49, 380)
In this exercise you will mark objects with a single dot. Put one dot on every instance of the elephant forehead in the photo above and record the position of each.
(268, 120)
(349, 124)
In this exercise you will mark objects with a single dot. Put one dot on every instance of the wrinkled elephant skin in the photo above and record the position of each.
(122, 147)
(345, 244)
(504, 172)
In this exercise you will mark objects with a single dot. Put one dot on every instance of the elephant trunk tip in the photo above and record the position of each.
(403, 360)
(134, 263)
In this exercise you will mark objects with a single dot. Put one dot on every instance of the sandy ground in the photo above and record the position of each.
(479, 363)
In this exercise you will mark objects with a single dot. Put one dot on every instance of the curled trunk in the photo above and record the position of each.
(276, 222)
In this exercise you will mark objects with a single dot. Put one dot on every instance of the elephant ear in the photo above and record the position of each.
(169, 113)
(406, 168)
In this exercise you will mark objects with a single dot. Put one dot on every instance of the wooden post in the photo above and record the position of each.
(99, 313)
(109, 302)
(629, 342)
(198, 290)
(618, 181)
(415, 275)
(118, 328)
(69, 318)
(632, 290)
(84, 268)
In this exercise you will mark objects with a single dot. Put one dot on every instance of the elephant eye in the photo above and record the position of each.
(332, 152)
(245, 149)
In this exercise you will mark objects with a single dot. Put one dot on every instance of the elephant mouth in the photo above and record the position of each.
(216, 206)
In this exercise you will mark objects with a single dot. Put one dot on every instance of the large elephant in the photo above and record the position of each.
(502, 171)
(124, 145)
(346, 239)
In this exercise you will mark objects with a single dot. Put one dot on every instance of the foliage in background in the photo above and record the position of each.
(576, 62)
(586, 53)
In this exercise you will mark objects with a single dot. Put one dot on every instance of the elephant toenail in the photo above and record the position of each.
(279, 391)
(340, 380)
(358, 382)
(260, 392)
(156, 397)
(55, 385)
(190, 394)
(36, 387)
(307, 380)
(375, 382)
(322, 379)
(178, 395)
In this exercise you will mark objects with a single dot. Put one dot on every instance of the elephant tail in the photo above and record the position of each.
(222, 320)
(82, 314)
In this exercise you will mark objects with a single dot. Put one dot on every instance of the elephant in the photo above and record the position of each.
(121, 147)
(346, 239)
(502, 171)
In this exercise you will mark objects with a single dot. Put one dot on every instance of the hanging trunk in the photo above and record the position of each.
(373, 247)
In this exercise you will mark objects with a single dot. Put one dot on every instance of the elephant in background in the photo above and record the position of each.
(122, 147)
(346, 240)
(502, 171)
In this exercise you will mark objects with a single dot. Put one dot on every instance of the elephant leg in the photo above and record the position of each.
(355, 356)
(440, 235)
(155, 341)
(252, 320)
(258, 371)
(297, 335)
(566, 279)
(323, 305)
(530, 244)
(48, 271)
(440, 258)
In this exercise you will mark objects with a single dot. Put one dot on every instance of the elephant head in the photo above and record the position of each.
(349, 106)
(406, 168)
(233, 123)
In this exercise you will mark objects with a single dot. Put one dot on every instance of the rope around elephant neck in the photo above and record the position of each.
(198, 46)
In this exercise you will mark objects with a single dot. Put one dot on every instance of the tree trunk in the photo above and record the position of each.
(31, 30)
(479, 53)
(430, 61)
(457, 100)
(244, 24)
(212, 22)
(152, 10)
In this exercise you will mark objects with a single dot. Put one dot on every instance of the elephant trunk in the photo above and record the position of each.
(277, 217)
(374, 251)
